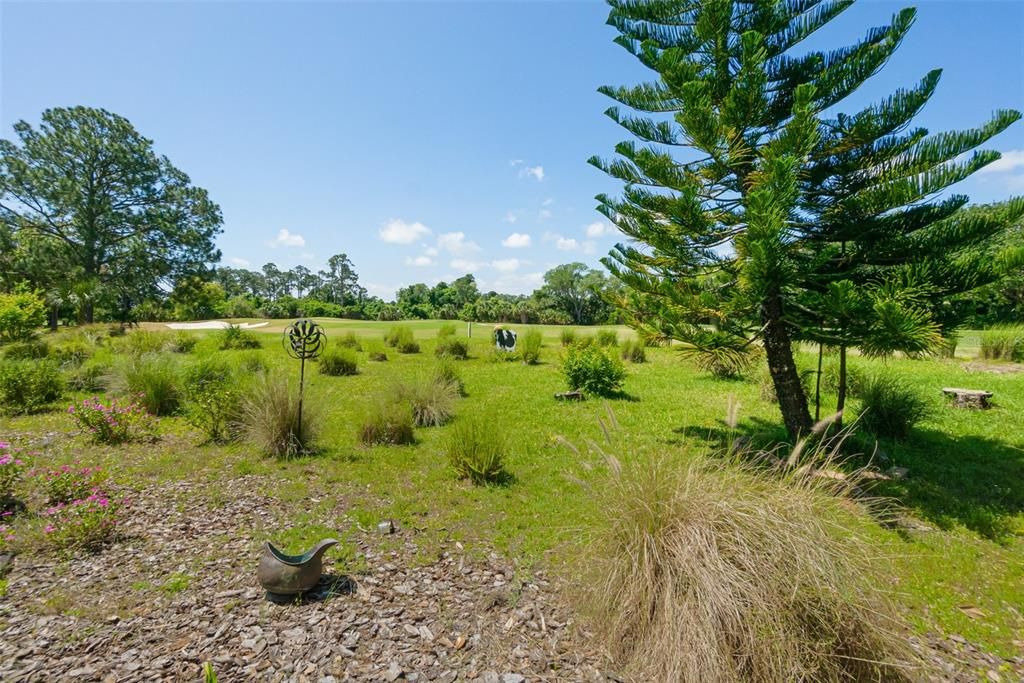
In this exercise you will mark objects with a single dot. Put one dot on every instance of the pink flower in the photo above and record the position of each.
(49, 529)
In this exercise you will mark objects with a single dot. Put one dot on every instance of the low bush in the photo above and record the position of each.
(113, 422)
(889, 407)
(141, 342)
(713, 571)
(1003, 343)
(397, 335)
(408, 347)
(214, 398)
(477, 450)
(234, 337)
(85, 524)
(350, 341)
(634, 352)
(93, 375)
(592, 370)
(378, 356)
(270, 418)
(446, 330)
(338, 361)
(252, 362)
(568, 336)
(432, 400)
(182, 342)
(452, 348)
(116, 330)
(529, 347)
(72, 353)
(390, 423)
(32, 349)
(71, 482)
(29, 386)
(607, 338)
(155, 382)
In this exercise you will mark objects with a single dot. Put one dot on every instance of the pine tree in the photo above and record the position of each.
(760, 221)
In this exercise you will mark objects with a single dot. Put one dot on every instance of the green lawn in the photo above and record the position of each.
(966, 468)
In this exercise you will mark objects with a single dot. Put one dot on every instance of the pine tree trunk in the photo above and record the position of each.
(841, 391)
(779, 350)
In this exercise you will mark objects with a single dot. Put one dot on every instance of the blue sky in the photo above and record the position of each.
(425, 139)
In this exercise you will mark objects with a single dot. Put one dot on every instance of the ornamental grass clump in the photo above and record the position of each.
(567, 336)
(890, 407)
(1003, 343)
(446, 373)
(113, 422)
(633, 351)
(719, 572)
(234, 337)
(432, 400)
(270, 418)
(530, 346)
(607, 338)
(337, 362)
(450, 347)
(390, 423)
(88, 523)
(476, 451)
(154, 380)
(350, 341)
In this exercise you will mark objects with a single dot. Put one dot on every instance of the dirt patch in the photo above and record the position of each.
(996, 368)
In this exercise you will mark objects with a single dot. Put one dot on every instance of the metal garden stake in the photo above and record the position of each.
(304, 339)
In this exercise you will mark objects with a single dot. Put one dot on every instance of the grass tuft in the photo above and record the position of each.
(432, 400)
(390, 423)
(338, 361)
(270, 418)
(476, 450)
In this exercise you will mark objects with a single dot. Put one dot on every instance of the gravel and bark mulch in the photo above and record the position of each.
(180, 589)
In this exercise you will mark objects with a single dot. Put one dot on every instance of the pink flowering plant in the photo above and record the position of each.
(71, 482)
(113, 423)
(12, 468)
(85, 524)
(7, 537)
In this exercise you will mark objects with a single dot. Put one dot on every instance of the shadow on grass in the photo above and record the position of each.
(755, 431)
(329, 586)
(968, 480)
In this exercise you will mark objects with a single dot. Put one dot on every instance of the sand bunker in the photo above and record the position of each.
(213, 325)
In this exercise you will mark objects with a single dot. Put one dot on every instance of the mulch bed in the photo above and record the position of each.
(460, 617)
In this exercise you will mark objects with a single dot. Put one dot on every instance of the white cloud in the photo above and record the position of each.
(431, 251)
(456, 243)
(544, 214)
(240, 262)
(507, 265)
(287, 239)
(547, 202)
(419, 261)
(1010, 161)
(599, 229)
(516, 240)
(514, 162)
(513, 283)
(570, 243)
(397, 231)
(534, 171)
(566, 243)
(464, 265)
(510, 217)
(386, 292)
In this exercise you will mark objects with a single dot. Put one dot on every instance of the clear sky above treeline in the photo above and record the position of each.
(426, 139)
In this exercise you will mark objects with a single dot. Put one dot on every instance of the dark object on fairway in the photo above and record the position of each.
(570, 396)
(504, 339)
(284, 576)
(969, 398)
(303, 340)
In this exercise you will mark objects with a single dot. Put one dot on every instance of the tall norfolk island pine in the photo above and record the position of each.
(785, 221)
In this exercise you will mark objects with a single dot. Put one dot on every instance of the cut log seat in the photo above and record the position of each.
(969, 398)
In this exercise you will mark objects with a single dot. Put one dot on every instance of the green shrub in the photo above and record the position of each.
(92, 375)
(1003, 343)
(28, 386)
(476, 450)
(408, 347)
(592, 370)
(634, 352)
(450, 347)
(350, 341)
(32, 349)
(715, 571)
(336, 362)
(390, 423)
(71, 482)
(397, 335)
(446, 330)
(117, 330)
(529, 347)
(378, 356)
(252, 362)
(214, 397)
(432, 400)
(140, 342)
(154, 380)
(234, 337)
(72, 353)
(607, 338)
(182, 342)
(889, 407)
(270, 418)
(568, 336)
(21, 315)
(85, 524)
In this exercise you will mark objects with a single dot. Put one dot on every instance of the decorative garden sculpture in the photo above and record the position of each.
(304, 339)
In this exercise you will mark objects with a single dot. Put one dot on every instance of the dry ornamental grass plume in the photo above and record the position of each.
(716, 571)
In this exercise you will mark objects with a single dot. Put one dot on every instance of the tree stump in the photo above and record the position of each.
(969, 398)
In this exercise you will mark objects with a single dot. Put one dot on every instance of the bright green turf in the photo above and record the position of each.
(966, 468)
